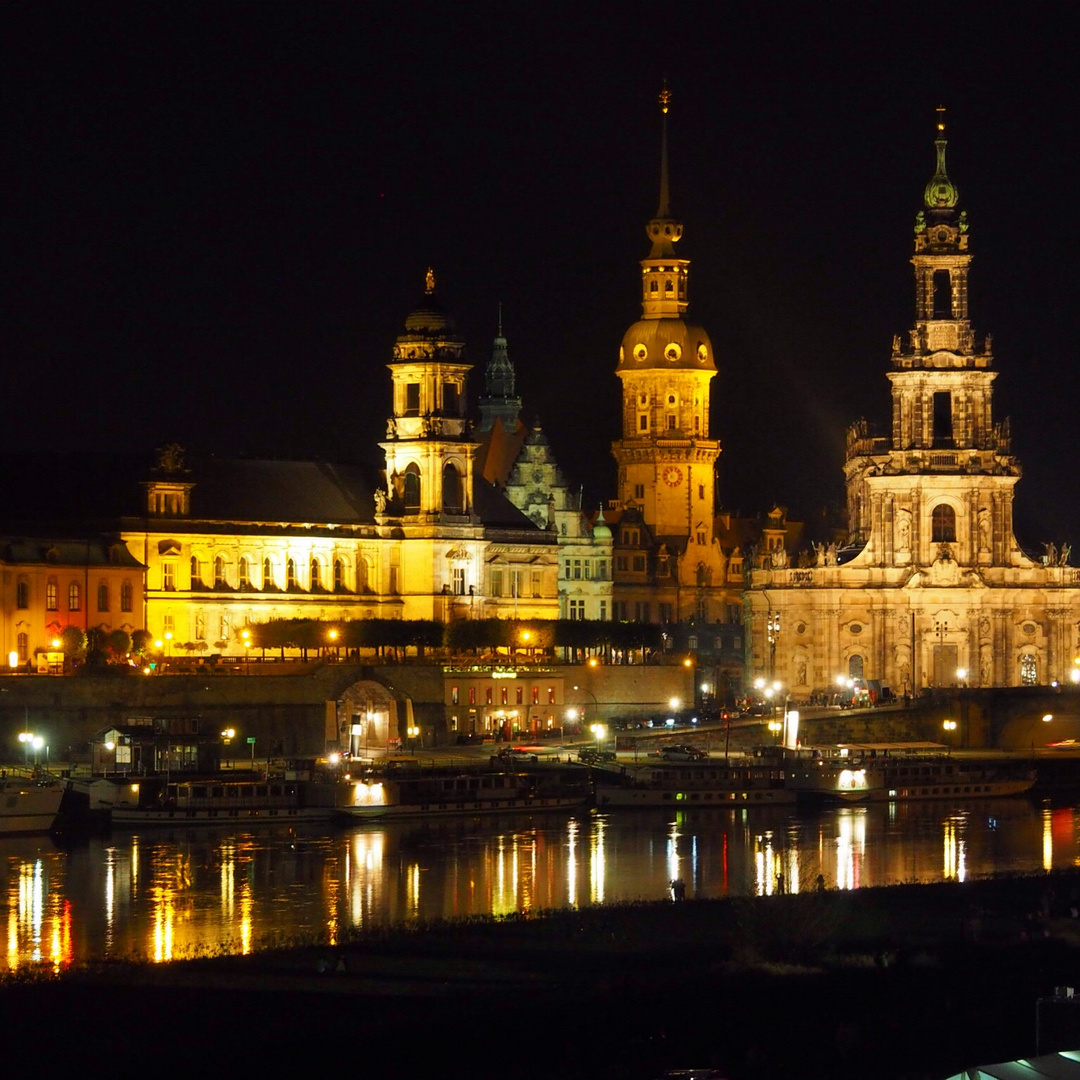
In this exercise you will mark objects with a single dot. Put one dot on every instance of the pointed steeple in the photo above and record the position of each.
(499, 400)
(664, 230)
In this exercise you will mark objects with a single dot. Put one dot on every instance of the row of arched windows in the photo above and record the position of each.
(317, 577)
(453, 489)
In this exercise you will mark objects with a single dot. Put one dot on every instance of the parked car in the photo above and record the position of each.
(512, 755)
(682, 753)
(593, 755)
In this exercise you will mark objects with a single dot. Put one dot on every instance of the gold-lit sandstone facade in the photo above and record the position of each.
(669, 563)
(940, 592)
(434, 543)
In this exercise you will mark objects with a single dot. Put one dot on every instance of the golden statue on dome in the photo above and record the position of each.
(429, 281)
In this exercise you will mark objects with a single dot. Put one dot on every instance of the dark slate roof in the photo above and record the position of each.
(498, 512)
(305, 492)
(86, 551)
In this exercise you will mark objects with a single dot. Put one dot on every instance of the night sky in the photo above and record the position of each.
(217, 218)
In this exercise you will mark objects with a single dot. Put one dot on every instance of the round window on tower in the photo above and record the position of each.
(673, 351)
(641, 352)
(702, 352)
(622, 354)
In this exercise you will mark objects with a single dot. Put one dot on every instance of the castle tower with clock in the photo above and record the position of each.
(669, 567)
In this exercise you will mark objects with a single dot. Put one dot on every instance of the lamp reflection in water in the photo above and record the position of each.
(597, 869)
(850, 847)
(364, 877)
(572, 829)
(955, 866)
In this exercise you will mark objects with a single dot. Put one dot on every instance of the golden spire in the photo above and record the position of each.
(664, 209)
(429, 281)
(941, 120)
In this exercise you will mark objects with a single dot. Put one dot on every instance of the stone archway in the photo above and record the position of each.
(367, 719)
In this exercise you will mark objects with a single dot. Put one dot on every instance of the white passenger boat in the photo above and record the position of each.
(437, 792)
(28, 805)
(709, 782)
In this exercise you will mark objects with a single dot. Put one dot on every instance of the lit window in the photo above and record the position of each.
(520, 695)
(551, 695)
(23, 645)
(268, 574)
(488, 695)
(453, 695)
(168, 576)
(459, 580)
(73, 596)
(51, 602)
(243, 572)
(316, 575)
(196, 576)
(536, 695)
(219, 572)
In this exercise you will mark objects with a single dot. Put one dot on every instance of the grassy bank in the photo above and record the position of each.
(908, 981)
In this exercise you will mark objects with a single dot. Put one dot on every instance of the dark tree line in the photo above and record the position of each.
(395, 636)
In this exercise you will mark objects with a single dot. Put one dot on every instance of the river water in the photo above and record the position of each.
(169, 894)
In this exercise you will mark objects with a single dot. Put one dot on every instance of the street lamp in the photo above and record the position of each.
(600, 731)
(773, 627)
(245, 636)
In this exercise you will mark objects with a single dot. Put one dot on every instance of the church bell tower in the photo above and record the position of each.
(665, 457)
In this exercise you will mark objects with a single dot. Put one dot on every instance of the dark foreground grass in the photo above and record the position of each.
(905, 982)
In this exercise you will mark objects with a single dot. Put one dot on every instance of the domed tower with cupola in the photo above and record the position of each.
(666, 457)
(429, 451)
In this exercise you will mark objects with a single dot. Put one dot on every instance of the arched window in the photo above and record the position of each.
(316, 573)
(243, 575)
(196, 579)
(219, 571)
(339, 576)
(22, 594)
(855, 667)
(268, 574)
(290, 574)
(943, 524)
(73, 596)
(51, 602)
(453, 492)
(103, 597)
(362, 574)
(23, 645)
(1029, 670)
(126, 596)
(412, 489)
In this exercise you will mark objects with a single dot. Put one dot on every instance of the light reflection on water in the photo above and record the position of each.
(164, 895)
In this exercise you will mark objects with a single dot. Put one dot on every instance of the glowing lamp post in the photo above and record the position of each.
(600, 733)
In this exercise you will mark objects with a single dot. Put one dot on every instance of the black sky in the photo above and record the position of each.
(218, 217)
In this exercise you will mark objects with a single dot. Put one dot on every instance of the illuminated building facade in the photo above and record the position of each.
(934, 590)
(48, 584)
(232, 543)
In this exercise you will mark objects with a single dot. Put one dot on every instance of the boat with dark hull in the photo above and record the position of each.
(441, 792)
(898, 772)
(133, 802)
(748, 781)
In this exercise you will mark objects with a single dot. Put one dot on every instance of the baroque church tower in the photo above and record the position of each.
(666, 458)
(934, 590)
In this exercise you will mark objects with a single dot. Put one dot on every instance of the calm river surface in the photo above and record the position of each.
(169, 894)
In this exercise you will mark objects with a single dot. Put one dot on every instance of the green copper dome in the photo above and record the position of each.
(941, 193)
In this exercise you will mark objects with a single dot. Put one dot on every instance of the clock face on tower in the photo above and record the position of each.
(672, 476)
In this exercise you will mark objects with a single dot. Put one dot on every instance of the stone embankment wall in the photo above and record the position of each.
(286, 712)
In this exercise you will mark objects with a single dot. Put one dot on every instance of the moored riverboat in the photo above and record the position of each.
(211, 800)
(708, 782)
(438, 792)
(28, 804)
(898, 772)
